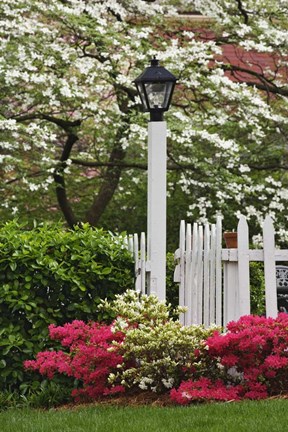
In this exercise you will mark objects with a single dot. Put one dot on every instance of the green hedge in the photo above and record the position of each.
(51, 275)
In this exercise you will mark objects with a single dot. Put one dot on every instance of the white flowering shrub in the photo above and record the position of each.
(158, 351)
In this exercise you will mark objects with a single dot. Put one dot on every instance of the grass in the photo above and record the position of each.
(261, 416)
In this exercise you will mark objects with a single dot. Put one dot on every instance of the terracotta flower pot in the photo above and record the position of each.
(230, 239)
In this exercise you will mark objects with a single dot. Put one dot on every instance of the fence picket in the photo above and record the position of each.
(143, 262)
(188, 268)
(269, 267)
(199, 276)
(212, 282)
(206, 277)
(182, 269)
(134, 244)
(218, 274)
(243, 267)
(194, 282)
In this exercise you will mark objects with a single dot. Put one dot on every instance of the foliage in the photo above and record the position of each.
(146, 349)
(7, 400)
(203, 389)
(159, 355)
(45, 394)
(48, 395)
(157, 351)
(251, 359)
(172, 288)
(70, 114)
(257, 288)
(90, 359)
(143, 348)
(50, 275)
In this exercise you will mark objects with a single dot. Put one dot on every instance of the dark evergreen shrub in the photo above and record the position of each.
(52, 275)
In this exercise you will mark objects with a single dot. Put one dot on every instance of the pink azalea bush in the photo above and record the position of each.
(250, 361)
(203, 389)
(90, 357)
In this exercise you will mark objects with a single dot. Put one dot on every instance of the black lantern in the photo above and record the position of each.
(155, 87)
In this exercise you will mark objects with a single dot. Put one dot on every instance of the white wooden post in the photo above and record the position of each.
(269, 268)
(157, 162)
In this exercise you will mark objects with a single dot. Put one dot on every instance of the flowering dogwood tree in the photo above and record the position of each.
(70, 118)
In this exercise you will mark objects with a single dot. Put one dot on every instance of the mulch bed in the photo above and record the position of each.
(141, 398)
(131, 398)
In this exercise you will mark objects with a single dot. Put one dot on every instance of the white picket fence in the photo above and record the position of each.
(198, 272)
(138, 250)
(214, 283)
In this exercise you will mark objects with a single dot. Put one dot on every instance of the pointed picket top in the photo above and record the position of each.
(268, 227)
(243, 233)
(182, 235)
(135, 247)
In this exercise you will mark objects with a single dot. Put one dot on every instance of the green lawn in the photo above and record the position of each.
(264, 416)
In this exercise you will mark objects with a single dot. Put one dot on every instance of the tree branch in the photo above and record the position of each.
(243, 12)
(64, 124)
(264, 83)
(131, 165)
(60, 181)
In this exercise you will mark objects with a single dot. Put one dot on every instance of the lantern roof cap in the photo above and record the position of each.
(155, 73)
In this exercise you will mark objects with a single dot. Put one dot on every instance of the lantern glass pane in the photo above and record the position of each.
(168, 94)
(142, 95)
(156, 95)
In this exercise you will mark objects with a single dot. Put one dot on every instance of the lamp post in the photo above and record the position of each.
(155, 87)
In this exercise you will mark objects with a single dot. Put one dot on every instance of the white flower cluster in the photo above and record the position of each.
(159, 347)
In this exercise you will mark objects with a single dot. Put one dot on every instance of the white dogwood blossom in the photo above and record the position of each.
(69, 105)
